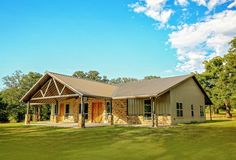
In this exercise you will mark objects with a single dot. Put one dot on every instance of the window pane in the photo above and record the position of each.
(147, 109)
(85, 108)
(67, 108)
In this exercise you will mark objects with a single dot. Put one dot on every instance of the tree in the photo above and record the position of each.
(3, 111)
(122, 80)
(151, 77)
(79, 74)
(105, 79)
(93, 75)
(219, 79)
(16, 86)
(227, 80)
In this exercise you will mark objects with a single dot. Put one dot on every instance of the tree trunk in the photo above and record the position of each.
(228, 108)
(228, 114)
(216, 110)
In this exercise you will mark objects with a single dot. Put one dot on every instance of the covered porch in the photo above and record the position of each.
(68, 104)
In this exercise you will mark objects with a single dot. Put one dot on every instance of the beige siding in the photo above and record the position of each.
(163, 104)
(187, 93)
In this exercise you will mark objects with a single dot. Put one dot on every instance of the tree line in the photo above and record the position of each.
(218, 80)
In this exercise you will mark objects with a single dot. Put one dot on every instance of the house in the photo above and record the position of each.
(156, 102)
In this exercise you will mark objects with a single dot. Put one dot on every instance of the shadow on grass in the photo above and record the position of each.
(219, 120)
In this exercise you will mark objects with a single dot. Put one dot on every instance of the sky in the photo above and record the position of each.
(118, 38)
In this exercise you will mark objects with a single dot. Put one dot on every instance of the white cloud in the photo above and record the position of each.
(154, 9)
(203, 40)
(213, 3)
(181, 2)
(233, 4)
(201, 2)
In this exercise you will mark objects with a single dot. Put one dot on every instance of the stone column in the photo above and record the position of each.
(110, 119)
(81, 118)
(39, 112)
(27, 115)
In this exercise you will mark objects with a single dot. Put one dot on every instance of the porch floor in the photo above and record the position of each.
(67, 124)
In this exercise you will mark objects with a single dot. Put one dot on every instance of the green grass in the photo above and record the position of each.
(212, 140)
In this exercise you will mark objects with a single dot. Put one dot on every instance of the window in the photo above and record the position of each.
(85, 110)
(179, 109)
(147, 109)
(67, 108)
(201, 111)
(192, 111)
(109, 108)
(56, 110)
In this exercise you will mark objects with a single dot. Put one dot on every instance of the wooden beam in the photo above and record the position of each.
(53, 97)
(62, 89)
(27, 109)
(41, 92)
(56, 86)
(47, 87)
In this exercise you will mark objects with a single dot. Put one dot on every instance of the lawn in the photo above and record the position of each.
(211, 140)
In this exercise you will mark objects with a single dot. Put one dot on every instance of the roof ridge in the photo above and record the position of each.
(86, 79)
(145, 80)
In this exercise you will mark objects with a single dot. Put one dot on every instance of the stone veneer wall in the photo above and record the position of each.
(163, 120)
(119, 111)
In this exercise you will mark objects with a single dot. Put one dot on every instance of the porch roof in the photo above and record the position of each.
(77, 86)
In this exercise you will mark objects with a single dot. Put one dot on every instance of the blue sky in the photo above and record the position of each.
(116, 37)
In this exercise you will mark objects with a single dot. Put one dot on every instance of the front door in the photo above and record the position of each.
(61, 112)
(97, 112)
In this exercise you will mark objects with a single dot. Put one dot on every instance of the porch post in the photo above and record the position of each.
(27, 116)
(81, 122)
(35, 117)
(39, 113)
(110, 115)
(56, 108)
(153, 113)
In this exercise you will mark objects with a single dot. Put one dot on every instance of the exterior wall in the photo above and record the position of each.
(187, 93)
(74, 110)
(119, 111)
(162, 108)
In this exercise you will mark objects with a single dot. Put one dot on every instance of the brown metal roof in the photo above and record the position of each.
(143, 88)
(86, 87)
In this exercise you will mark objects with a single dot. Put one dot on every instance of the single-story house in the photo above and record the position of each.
(156, 102)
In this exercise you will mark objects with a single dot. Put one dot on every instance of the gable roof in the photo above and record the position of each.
(77, 85)
(86, 87)
(142, 88)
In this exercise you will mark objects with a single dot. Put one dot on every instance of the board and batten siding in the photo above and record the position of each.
(162, 105)
(135, 107)
(162, 109)
(188, 93)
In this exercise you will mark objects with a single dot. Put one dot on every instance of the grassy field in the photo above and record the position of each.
(211, 140)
